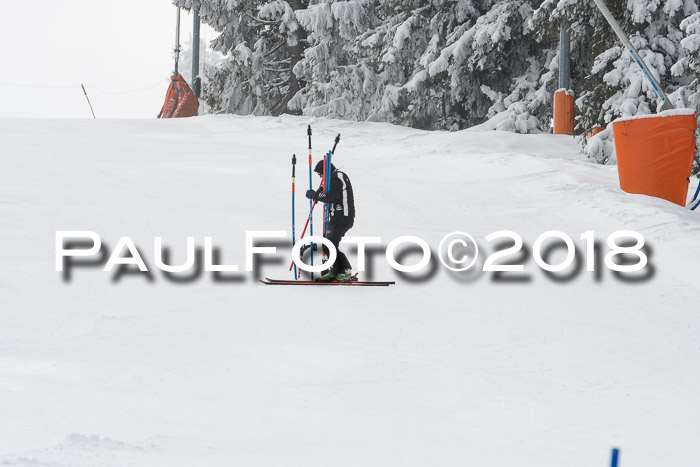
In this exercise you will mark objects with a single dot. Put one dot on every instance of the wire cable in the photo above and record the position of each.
(39, 85)
(158, 83)
(77, 86)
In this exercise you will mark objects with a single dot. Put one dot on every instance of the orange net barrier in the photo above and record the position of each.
(655, 154)
(563, 112)
(180, 100)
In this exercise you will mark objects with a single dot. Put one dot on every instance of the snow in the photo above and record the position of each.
(672, 6)
(316, 17)
(601, 147)
(613, 77)
(691, 43)
(351, 17)
(664, 114)
(403, 32)
(449, 370)
(417, 79)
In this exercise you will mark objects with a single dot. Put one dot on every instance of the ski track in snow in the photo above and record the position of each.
(454, 370)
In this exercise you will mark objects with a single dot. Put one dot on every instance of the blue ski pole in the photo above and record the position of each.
(294, 167)
(324, 183)
(311, 204)
(327, 188)
(615, 457)
(328, 174)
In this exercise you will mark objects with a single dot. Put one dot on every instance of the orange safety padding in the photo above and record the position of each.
(180, 101)
(563, 113)
(594, 131)
(655, 155)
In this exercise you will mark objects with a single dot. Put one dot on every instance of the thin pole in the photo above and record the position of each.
(311, 205)
(196, 81)
(327, 183)
(666, 104)
(324, 178)
(326, 189)
(294, 167)
(615, 457)
(88, 99)
(335, 145)
(308, 218)
(564, 57)
(177, 41)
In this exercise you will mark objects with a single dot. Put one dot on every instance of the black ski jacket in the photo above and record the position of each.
(340, 197)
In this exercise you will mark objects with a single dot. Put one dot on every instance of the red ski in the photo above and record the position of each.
(269, 281)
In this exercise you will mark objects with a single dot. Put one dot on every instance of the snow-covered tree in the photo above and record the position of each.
(445, 64)
(263, 42)
(607, 81)
(448, 64)
(494, 65)
(687, 69)
(603, 74)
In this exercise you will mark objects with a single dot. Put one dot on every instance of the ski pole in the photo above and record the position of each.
(615, 457)
(327, 188)
(327, 182)
(311, 205)
(294, 166)
(325, 206)
(88, 99)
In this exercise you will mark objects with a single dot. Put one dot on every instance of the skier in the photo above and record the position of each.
(341, 205)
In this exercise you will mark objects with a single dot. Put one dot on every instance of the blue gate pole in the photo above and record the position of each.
(615, 457)
(294, 168)
(311, 204)
(327, 170)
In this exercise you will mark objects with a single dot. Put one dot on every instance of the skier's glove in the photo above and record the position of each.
(311, 194)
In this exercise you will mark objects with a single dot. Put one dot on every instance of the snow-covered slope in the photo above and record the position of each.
(447, 370)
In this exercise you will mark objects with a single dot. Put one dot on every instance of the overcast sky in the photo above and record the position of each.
(112, 46)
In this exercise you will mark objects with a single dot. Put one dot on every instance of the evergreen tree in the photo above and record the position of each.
(607, 80)
(449, 64)
(263, 42)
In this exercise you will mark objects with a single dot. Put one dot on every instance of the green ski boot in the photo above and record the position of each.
(345, 276)
(330, 277)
